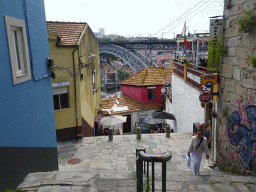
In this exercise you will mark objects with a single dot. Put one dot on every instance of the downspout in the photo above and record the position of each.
(74, 70)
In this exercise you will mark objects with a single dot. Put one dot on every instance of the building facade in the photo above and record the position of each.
(236, 133)
(27, 132)
(76, 87)
(139, 97)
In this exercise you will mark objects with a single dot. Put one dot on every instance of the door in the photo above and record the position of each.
(127, 124)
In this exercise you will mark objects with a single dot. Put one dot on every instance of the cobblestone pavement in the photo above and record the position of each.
(110, 166)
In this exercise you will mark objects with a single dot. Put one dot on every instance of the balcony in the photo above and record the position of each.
(190, 73)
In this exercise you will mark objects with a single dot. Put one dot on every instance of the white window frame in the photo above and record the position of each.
(142, 120)
(94, 81)
(18, 49)
(61, 88)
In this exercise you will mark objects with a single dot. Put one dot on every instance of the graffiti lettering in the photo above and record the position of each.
(242, 134)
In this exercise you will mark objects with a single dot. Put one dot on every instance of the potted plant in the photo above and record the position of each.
(253, 61)
(184, 59)
(247, 21)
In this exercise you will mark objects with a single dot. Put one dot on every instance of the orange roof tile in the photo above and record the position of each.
(149, 76)
(69, 32)
(124, 100)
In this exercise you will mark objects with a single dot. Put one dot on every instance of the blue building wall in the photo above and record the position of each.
(27, 126)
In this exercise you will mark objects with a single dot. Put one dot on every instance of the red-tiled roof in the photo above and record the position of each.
(68, 32)
(149, 76)
(124, 100)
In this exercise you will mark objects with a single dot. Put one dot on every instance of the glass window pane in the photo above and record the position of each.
(56, 102)
(17, 49)
(64, 100)
(151, 94)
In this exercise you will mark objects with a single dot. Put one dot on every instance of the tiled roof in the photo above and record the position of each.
(126, 101)
(68, 32)
(149, 76)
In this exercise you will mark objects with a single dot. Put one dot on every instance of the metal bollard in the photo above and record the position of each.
(138, 130)
(110, 134)
(168, 131)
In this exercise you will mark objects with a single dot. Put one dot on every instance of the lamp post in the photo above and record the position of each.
(173, 34)
(150, 47)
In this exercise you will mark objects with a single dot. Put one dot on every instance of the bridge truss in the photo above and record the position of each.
(127, 51)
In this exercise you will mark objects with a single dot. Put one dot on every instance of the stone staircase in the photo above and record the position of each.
(110, 166)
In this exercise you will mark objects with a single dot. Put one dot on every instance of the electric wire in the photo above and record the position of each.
(195, 13)
(178, 18)
(182, 15)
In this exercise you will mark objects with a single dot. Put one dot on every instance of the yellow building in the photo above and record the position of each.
(76, 87)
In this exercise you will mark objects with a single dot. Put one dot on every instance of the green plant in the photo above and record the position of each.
(232, 182)
(249, 182)
(253, 61)
(223, 50)
(225, 111)
(148, 184)
(247, 21)
(212, 182)
(232, 170)
(17, 190)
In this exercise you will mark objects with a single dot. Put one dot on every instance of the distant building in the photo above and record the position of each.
(27, 128)
(140, 96)
(100, 34)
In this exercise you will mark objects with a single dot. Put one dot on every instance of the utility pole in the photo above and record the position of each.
(150, 50)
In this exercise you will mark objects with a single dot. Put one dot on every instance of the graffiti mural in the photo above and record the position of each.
(241, 132)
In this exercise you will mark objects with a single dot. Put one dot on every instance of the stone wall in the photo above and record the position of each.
(236, 123)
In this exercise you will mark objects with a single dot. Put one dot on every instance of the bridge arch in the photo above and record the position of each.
(133, 58)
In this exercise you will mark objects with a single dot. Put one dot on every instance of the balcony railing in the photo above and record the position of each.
(190, 73)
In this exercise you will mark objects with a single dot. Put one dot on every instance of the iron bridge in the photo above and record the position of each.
(128, 51)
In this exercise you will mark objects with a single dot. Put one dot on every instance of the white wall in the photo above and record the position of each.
(185, 105)
(134, 117)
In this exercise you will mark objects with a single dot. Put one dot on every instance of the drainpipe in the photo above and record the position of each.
(74, 69)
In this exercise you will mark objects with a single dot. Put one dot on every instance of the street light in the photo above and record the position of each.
(173, 34)
(163, 35)
(150, 49)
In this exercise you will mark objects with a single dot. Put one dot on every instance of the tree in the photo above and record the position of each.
(120, 38)
(109, 57)
(121, 74)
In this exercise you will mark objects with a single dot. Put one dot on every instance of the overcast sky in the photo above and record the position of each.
(137, 17)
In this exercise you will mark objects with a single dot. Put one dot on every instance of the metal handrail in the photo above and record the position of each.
(155, 158)
(143, 157)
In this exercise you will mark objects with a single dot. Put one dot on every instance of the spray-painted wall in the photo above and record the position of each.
(185, 105)
(236, 123)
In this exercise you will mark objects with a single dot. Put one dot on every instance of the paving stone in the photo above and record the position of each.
(110, 166)
(205, 187)
(106, 184)
(241, 187)
(55, 189)
(251, 187)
